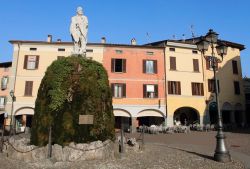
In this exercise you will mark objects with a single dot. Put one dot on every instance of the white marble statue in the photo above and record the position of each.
(78, 31)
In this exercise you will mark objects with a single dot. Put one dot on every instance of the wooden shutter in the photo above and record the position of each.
(193, 88)
(37, 61)
(144, 66)
(169, 87)
(28, 88)
(235, 67)
(202, 89)
(178, 88)
(124, 65)
(172, 63)
(112, 89)
(196, 65)
(124, 90)
(25, 61)
(112, 65)
(144, 91)
(155, 66)
(156, 90)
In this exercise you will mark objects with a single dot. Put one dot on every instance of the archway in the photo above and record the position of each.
(238, 114)
(122, 116)
(23, 118)
(186, 115)
(1, 120)
(213, 113)
(150, 117)
(226, 113)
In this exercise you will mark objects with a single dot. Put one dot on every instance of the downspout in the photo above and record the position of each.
(165, 82)
(18, 53)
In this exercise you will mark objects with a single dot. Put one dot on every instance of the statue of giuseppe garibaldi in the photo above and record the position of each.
(78, 31)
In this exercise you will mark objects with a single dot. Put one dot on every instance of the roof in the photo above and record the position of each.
(71, 43)
(194, 40)
(5, 64)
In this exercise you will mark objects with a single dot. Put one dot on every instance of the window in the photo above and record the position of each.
(60, 57)
(90, 50)
(150, 91)
(209, 63)
(4, 82)
(197, 89)
(33, 49)
(149, 53)
(235, 67)
(236, 88)
(196, 65)
(194, 51)
(150, 66)
(172, 49)
(211, 85)
(118, 51)
(31, 62)
(61, 49)
(28, 88)
(118, 65)
(174, 87)
(2, 102)
(118, 90)
(172, 63)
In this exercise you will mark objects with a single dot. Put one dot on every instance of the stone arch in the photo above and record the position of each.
(186, 115)
(150, 117)
(124, 117)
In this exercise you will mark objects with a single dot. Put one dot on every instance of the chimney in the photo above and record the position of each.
(133, 41)
(49, 39)
(59, 40)
(103, 40)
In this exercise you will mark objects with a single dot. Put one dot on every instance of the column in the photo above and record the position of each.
(135, 123)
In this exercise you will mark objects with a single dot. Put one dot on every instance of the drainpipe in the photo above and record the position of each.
(165, 83)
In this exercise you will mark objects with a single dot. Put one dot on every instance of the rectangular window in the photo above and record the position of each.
(90, 50)
(236, 88)
(150, 91)
(211, 85)
(174, 87)
(33, 49)
(4, 82)
(2, 102)
(118, 51)
(197, 89)
(172, 63)
(28, 88)
(118, 65)
(31, 62)
(61, 49)
(194, 51)
(118, 90)
(235, 67)
(196, 65)
(172, 49)
(149, 53)
(150, 66)
(209, 63)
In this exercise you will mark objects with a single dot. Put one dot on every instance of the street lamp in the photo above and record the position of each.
(221, 153)
(13, 98)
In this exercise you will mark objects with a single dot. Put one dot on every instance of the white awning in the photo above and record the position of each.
(149, 113)
(121, 113)
(25, 111)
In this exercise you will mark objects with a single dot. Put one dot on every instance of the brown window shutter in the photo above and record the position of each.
(196, 65)
(28, 88)
(155, 66)
(124, 90)
(235, 67)
(207, 64)
(144, 66)
(169, 87)
(156, 90)
(112, 89)
(31, 88)
(179, 88)
(124, 65)
(193, 88)
(25, 61)
(202, 89)
(172, 63)
(144, 91)
(37, 61)
(112, 65)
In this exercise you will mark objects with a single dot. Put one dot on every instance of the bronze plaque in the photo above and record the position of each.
(86, 119)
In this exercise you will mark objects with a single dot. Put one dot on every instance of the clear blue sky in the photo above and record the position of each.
(119, 21)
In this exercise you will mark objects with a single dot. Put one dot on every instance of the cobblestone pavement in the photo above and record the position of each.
(162, 151)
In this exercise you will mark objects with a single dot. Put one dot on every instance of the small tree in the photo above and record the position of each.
(71, 87)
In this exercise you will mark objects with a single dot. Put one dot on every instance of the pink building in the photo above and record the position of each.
(136, 76)
(4, 92)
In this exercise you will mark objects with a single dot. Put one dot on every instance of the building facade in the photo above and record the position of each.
(246, 85)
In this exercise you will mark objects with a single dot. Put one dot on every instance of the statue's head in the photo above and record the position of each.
(79, 10)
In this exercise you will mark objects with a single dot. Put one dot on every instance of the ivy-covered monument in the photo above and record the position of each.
(73, 86)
